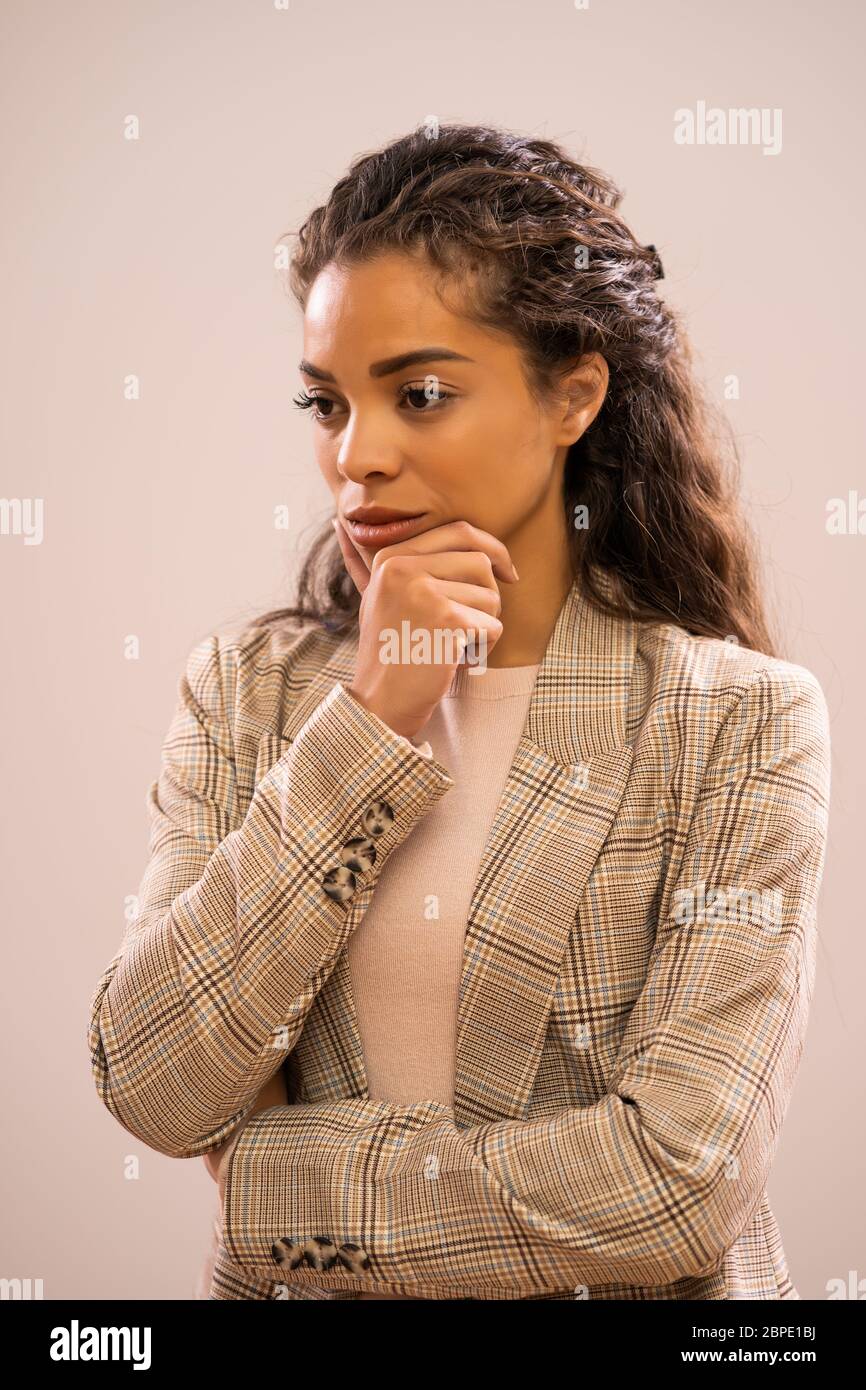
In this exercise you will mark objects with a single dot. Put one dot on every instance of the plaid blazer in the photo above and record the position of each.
(639, 962)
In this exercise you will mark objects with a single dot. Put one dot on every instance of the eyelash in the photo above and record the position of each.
(304, 401)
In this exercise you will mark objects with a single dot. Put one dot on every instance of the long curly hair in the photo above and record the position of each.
(554, 265)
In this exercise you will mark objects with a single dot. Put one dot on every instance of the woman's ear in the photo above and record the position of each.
(585, 387)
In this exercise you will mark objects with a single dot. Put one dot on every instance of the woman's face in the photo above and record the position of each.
(473, 445)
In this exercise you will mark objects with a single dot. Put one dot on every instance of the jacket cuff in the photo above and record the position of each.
(349, 752)
(294, 1202)
(423, 748)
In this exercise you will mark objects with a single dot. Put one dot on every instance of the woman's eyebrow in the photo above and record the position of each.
(392, 364)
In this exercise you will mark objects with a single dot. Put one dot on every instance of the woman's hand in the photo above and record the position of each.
(217, 1160)
(442, 580)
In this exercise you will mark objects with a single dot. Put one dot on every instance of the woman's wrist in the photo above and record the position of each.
(370, 705)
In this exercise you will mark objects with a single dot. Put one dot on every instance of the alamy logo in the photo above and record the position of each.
(20, 1289)
(75, 1343)
(737, 126)
(700, 904)
(22, 516)
(440, 646)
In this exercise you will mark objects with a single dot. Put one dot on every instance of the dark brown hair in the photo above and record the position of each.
(555, 266)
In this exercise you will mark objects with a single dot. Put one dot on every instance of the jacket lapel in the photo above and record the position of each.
(562, 792)
(566, 781)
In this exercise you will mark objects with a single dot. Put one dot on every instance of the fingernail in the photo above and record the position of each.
(334, 522)
(514, 567)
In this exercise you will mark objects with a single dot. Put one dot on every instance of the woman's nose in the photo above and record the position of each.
(358, 463)
(366, 450)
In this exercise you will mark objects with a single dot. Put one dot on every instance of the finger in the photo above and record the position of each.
(351, 558)
(471, 595)
(461, 566)
(482, 630)
(454, 535)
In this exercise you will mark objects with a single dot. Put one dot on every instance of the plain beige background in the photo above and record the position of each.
(155, 257)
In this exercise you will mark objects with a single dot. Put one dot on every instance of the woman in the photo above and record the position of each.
(482, 969)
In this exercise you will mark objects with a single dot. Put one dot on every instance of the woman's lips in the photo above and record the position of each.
(386, 533)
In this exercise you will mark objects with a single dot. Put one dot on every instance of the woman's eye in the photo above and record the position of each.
(304, 401)
(426, 397)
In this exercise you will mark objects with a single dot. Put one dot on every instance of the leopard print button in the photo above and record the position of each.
(377, 818)
(359, 854)
(339, 883)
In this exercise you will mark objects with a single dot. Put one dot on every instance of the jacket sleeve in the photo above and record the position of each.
(236, 933)
(655, 1181)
